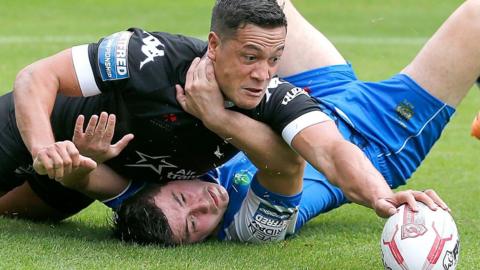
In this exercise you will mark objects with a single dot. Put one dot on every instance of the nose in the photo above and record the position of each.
(262, 71)
(202, 206)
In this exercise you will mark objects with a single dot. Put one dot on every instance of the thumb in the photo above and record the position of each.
(181, 98)
(87, 163)
(39, 168)
(384, 208)
(121, 144)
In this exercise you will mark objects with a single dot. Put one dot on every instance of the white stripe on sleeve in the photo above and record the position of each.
(84, 72)
(302, 122)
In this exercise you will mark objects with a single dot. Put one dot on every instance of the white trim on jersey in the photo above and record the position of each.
(118, 195)
(302, 122)
(83, 69)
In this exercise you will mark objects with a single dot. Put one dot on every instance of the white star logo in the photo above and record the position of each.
(155, 163)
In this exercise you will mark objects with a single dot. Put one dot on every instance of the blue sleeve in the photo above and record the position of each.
(319, 196)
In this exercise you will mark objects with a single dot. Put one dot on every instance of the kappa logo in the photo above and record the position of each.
(405, 110)
(451, 257)
(293, 93)
(150, 49)
(272, 85)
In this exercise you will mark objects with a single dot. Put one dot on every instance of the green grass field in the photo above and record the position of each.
(378, 37)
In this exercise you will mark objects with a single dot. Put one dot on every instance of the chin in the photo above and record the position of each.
(248, 105)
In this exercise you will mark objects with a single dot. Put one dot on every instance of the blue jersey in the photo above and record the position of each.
(255, 214)
(394, 122)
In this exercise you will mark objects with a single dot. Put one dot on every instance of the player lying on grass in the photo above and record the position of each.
(229, 203)
(133, 74)
(395, 122)
(413, 128)
(411, 121)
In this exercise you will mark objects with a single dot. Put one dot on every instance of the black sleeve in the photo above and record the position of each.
(141, 61)
(288, 109)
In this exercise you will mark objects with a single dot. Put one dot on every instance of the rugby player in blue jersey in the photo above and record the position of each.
(395, 122)
(397, 154)
(134, 74)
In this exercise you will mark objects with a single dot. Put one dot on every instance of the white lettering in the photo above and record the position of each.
(293, 93)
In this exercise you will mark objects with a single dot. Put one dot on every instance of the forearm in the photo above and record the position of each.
(343, 163)
(280, 169)
(100, 184)
(264, 148)
(356, 176)
(34, 101)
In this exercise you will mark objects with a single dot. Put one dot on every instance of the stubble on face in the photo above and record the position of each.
(245, 63)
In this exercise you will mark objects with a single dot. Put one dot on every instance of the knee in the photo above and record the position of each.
(470, 9)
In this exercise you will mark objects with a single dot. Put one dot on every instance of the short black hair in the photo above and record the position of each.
(139, 220)
(230, 15)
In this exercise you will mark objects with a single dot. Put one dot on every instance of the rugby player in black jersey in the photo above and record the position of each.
(134, 74)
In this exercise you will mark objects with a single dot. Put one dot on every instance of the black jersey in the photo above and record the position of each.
(133, 74)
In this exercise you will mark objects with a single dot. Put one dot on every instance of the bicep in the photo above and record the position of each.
(58, 72)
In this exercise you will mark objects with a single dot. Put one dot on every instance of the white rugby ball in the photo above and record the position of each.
(420, 240)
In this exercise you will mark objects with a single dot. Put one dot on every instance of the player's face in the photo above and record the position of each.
(193, 208)
(245, 63)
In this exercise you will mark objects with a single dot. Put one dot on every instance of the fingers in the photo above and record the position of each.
(200, 71)
(74, 155)
(209, 71)
(191, 72)
(432, 194)
(383, 207)
(57, 160)
(92, 124)
(78, 131)
(100, 129)
(181, 98)
(63, 163)
(121, 144)
(424, 198)
(109, 129)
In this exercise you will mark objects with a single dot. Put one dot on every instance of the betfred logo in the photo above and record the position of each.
(113, 56)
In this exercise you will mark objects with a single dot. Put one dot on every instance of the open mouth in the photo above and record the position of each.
(254, 91)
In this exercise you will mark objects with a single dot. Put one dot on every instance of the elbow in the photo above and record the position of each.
(293, 167)
(23, 78)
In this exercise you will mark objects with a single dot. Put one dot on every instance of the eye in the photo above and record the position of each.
(250, 58)
(183, 198)
(193, 223)
(274, 60)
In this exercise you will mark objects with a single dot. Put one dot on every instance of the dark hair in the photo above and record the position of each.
(230, 15)
(139, 220)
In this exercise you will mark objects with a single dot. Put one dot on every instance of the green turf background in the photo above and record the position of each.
(378, 37)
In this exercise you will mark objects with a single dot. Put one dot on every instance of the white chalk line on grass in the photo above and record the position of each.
(14, 40)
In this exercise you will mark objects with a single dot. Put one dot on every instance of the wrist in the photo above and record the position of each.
(217, 121)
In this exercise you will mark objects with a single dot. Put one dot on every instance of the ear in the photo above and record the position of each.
(213, 45)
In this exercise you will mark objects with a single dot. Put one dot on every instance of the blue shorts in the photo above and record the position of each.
(395, 121)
